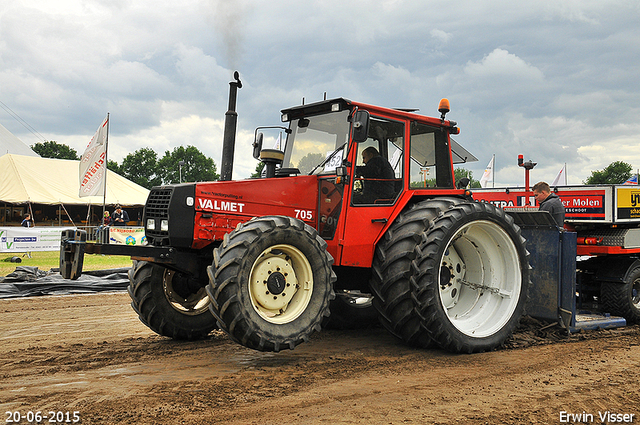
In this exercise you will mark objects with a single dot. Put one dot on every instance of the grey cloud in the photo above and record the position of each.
(551, 80)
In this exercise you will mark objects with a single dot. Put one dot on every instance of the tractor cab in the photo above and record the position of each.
(370, 163)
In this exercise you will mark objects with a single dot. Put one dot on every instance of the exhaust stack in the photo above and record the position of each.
(230, 124)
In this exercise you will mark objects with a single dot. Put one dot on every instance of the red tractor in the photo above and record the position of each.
(264, 259)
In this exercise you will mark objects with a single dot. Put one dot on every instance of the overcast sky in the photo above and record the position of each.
(556, 81)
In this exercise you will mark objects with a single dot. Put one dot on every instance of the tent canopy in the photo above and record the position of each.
(28, 179)
(11, 144)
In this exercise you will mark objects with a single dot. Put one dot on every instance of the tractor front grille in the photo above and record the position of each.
(157, 208)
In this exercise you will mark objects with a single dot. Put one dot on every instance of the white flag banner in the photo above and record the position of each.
(488, 173)
(93, 164)
(561, 178)
(278, 142)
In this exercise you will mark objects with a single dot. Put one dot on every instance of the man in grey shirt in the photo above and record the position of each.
(549, 202)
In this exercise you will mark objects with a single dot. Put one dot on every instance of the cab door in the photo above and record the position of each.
(367, 216)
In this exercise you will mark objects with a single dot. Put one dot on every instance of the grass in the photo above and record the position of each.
(47, 260)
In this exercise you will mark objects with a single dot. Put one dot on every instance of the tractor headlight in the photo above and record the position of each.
(151, 224)
(164, 225)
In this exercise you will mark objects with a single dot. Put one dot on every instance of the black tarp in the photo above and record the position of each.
(30, 281)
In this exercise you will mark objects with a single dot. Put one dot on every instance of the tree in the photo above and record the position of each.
(55, 150)
(196, 167)
(141, 167)
(617, 172)
(258, 172)
(458, 173)
(113, 166)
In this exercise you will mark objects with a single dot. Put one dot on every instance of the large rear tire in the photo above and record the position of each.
(155, 293)
(393, 271)
(472, 278)
(623, 299)
(271, 282)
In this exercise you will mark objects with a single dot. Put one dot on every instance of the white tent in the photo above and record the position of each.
(11, 144)
(28, 179)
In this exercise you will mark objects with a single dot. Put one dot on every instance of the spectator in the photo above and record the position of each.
(27, 222)
(119, 216)
(106, 219)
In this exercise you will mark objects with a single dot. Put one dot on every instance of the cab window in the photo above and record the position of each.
(430, 165)
(313, 139)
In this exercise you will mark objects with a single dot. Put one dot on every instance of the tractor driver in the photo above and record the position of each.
(549, 202)
(378, 177)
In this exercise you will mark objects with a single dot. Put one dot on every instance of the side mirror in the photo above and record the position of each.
(463, 183)
(361, 126)
(257, 145)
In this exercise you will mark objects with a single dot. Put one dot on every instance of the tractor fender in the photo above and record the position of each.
(406, 201)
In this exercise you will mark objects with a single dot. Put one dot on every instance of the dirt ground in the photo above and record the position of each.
(91, 355)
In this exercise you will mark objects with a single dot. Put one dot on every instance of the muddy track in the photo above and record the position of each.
(90, 354)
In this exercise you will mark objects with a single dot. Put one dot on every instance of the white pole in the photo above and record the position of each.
(493, 171)
(106, 170)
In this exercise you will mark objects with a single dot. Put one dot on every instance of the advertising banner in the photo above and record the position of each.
(586, 205)
(127, 235)
(582, 204)
(628, 203)
(29, 239)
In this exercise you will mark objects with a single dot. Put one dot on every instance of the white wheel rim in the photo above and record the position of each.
(193, 305)
(480, 279)
(281, 284)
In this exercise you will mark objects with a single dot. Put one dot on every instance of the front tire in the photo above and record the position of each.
(271, 282)
(472, 278)
(159, 298)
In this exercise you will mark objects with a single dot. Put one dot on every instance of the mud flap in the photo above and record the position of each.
(72, 244)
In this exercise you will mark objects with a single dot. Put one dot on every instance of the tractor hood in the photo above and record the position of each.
(221, 206)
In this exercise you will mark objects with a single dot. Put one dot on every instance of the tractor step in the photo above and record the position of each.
(594, 321)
